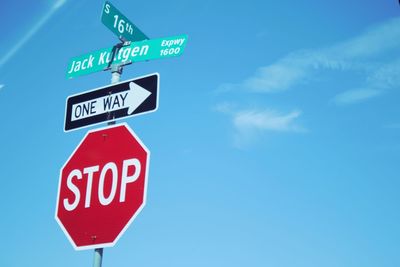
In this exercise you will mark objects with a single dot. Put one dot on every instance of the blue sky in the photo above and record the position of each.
(276, 142)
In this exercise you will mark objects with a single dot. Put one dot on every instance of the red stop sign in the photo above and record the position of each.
(102, 187)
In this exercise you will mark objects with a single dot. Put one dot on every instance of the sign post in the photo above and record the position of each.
(98, 252)
(98, 257)
(102, 186)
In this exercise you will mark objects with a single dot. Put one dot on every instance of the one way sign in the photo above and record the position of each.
(116, 101)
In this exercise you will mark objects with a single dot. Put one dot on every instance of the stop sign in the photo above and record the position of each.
(102, 187)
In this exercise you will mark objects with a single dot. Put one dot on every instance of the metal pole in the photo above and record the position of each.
(98, 257)
(116, 71)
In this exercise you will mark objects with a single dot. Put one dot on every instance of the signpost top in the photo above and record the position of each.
(120, 25)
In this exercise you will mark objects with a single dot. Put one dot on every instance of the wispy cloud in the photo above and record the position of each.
(379, 79)
(249, 124)
(355, 96)
(267, 120)
(369, 56)
(360, 54)
(277, 77)
(395, 126)
(27, 36)
(1, 86)
(375, 41)
(385, 76)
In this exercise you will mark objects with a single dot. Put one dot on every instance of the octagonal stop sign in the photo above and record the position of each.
(102, 187)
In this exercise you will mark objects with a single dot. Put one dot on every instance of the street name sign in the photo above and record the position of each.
(134, 52)
(120, 25)
(121, 100)
(102, 187)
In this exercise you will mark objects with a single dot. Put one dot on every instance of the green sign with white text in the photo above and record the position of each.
(137, 51)
(120, 25)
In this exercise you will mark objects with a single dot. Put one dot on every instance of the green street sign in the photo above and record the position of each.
(137, 51)
(125, 30)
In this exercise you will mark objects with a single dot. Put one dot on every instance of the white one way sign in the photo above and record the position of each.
(125, 99)
(130, 99)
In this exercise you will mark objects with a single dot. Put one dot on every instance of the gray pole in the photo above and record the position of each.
(98, 257)
(116, 71)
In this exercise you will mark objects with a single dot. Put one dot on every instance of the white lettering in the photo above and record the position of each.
(107, 9)
(109, 58)
(89, 171)
(77, 66)
(102, 58)
(125, 179)
(174, 42)
(74, 189)
(119, 54)
(90, 65)
(106, 189)
(83, 63)
(114, 171)
(143, 50)
(126, 53)
(72, 67)
(135, 50)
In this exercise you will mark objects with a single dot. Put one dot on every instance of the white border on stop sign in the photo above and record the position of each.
(103, 245)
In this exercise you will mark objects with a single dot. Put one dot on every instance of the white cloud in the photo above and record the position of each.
(250, 124)
(355, 96)
(276, 77)
(356, 54)
(376, 40)
(225, 107)
(27, 36)
(368, 56)
(382, 77)
(385, 76)
(1, 86)
(266, 120)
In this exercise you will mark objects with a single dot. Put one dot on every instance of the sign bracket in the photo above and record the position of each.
(114, 52)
